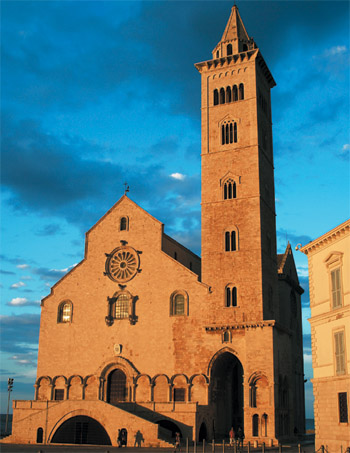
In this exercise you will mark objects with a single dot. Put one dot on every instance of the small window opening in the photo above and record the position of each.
(216, 97)
(226, 337)
(343, 407)
(241, 91)
(222, 95)
(235, 133)
(123, 224)
(234, 93)
(179, 394)
(228, 94)
(229, 49)
(179, 304)
(39, 436)
(122, 306)
(59, 394)
(217, 54)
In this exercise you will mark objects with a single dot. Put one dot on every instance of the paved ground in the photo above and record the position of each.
(305, 447)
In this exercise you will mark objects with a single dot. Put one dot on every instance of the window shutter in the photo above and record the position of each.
(339, 352)
(336, 288)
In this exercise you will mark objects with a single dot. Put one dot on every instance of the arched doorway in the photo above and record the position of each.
(81, 430)
(226, 393)
(116, 387)
(202, 433)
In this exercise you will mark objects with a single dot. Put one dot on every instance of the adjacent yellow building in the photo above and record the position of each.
(329, 274)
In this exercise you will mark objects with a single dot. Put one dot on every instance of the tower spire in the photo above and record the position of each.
(235, 38)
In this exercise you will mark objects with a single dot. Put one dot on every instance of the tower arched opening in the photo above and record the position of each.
(226, 393)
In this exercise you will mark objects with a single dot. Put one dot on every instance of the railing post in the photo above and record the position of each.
(203, 445)
(299, 448)
(195, 447)
(279, 448)
(186, 444)
(213, 446)
(263, 447)
(249, 447)
(223, 446)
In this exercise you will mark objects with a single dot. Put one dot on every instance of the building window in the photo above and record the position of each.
(252, 395)
(336, 288)
(124, 224)
(39, 436)
(230, 241)
(231, 296)
(179, 394)
(65, 310)
(343, 407)
(241, 91)
(255, 425)
(228, 94)
(59, 394)
(179, 304)
(216, 97)
(122, 306)
(229, 189)
(226, 337)
(339, 348)
(229, 49)
(228, 133)
(222, 95)
(234, 93)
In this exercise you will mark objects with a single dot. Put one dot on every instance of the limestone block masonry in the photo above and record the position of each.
(146, 336)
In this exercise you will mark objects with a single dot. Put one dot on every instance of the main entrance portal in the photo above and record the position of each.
(226, 394)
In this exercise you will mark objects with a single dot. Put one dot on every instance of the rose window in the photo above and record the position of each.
(122, 264)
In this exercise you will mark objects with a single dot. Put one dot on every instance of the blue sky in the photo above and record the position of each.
(98, 93)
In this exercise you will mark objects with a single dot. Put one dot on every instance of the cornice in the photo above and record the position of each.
(329, 316)
(327, 238)
(227, 61)
(243, 326)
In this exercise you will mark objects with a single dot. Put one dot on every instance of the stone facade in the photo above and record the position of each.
(329, 270)
(145, 335)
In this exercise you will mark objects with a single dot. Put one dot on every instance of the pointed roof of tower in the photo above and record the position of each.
(235, 28)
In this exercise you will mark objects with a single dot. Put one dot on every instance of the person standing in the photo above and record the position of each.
(240, 437)
(232, 436)
(177, 441)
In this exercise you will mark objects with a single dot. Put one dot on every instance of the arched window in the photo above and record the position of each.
(217, 54)
(231, 241)
(122, 306)
(228, 133)
(241, 91)
(65, 311)
(216, 97)
(252, 395)
(179, 304)
(229, 189)
(264, 424)
(39, 436)
(229, 49)
(226, 337)
(124, 224)
(231, 296)
(234, 93)
(255, 425)
(222, 95)
(228, 94)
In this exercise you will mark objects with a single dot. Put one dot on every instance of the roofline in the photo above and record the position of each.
(331, 235)
(182, 246)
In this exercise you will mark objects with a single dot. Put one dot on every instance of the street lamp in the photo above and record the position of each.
(9, 389)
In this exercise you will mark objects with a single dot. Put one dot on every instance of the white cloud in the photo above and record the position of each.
(346, 147)
(178, 176)
(23, 266)
(17, 301)
(336, 50)
(18, 285)
(303, 271)
(65, 270)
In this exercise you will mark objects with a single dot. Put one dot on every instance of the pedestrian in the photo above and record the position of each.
(240, 437)
(177, 441)
(232, 436)
(119, 439)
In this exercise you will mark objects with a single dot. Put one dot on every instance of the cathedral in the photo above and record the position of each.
(146, 336)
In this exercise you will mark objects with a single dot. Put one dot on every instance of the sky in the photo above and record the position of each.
(96, 94)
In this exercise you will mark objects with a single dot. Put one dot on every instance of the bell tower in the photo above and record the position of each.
(238, 200)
